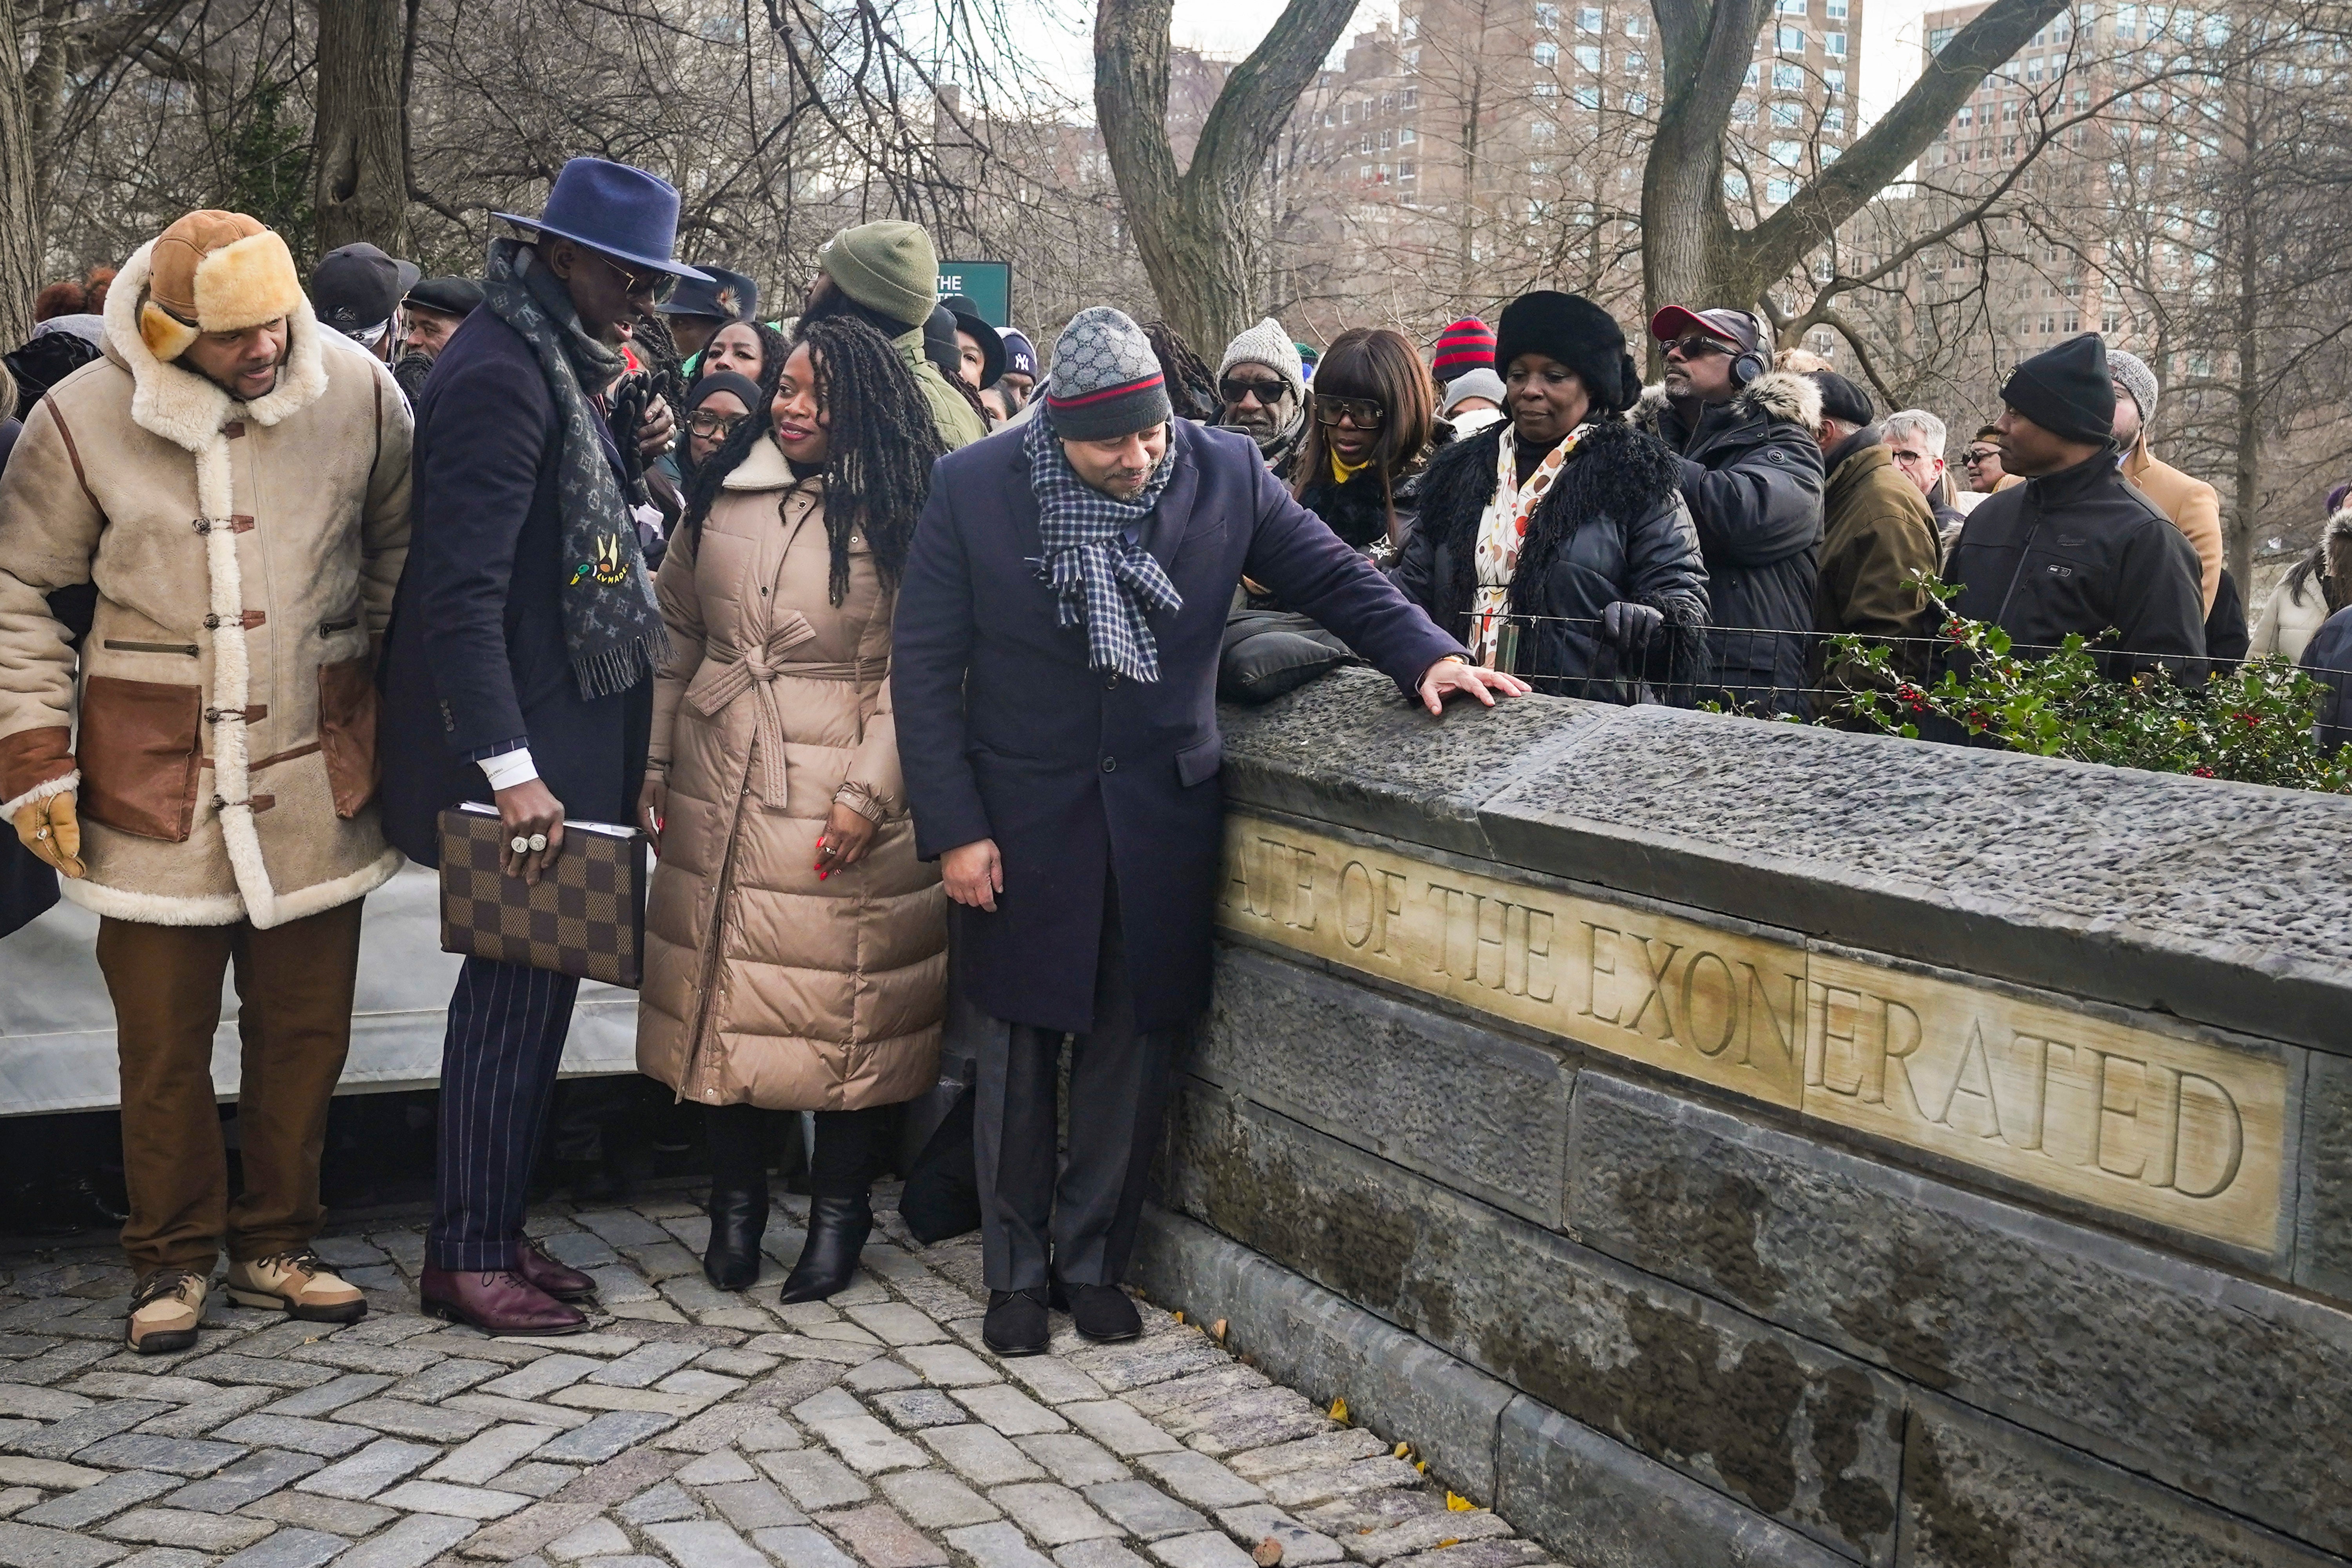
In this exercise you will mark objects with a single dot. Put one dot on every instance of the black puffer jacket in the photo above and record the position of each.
(1752, 477)
(1613, 527)
(1355, 510)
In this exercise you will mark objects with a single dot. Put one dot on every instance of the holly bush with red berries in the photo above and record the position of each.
(2254, 725)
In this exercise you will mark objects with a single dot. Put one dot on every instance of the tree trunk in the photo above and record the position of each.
(1193, 228)
(21, 236)
(2238, 523)
(361, 184)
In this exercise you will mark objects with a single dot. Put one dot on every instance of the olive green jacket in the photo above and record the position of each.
(959, 424)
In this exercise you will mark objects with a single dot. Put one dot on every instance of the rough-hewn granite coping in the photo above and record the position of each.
(2229, 904)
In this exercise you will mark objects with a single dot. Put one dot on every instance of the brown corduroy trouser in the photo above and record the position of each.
(294, 986)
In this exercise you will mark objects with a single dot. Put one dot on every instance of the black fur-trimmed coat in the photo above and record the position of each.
(1611, 527)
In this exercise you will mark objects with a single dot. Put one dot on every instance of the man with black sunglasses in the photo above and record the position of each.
(521, 642)
(1263, 386)
(1752, 479)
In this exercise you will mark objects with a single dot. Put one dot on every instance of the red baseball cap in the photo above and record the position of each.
(1736, 328)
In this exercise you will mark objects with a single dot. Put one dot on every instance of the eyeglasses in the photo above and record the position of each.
(1366, 414)
(1975, 456)
(1904, 455)
(1696, 347)
(653, 283)
(1268, 393)
(704, 423)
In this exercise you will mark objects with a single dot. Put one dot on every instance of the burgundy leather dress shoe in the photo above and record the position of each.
(496, 1303)
(538, 1268)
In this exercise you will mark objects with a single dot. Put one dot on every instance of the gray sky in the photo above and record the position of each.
(1888, 48)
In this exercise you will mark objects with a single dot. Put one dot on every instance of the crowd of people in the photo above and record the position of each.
(900, 640)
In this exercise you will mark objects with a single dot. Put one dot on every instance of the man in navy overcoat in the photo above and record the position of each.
(1055, 678)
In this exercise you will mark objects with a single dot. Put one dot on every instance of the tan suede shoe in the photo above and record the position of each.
(164, 1312)
(301, 1283)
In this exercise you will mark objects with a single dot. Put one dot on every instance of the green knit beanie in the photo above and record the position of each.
(887, 266)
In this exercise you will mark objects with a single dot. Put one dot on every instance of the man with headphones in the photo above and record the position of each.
(1752, 479)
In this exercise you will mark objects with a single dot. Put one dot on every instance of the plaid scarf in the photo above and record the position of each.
(611, 626)
(1101, 576)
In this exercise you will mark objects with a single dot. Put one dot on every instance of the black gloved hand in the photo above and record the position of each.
(1630, 625)
(631, 396)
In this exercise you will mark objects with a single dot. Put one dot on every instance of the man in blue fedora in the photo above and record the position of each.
(701, 306)
(513, 678)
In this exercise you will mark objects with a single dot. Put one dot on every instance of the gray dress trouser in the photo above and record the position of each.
(1118, 1090)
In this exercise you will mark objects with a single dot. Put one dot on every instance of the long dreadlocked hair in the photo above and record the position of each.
(880, 445)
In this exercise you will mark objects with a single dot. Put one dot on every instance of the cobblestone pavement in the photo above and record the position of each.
(688, 1427)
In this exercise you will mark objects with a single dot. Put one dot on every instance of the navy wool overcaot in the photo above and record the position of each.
(1083, 778)
(475, 656)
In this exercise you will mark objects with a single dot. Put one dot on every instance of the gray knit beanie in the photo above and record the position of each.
(1479, 383)
(1106, 380)
(2131, 372)
(1267, 344)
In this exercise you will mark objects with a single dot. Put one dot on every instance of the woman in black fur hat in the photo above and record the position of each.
(1556, 543)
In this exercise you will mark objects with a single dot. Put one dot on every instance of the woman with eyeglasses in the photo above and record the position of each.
(795, 948)
(718, 405)
(1371, 427)
(1556, 544)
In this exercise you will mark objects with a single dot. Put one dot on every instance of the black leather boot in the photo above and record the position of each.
(739, 1198)
(739, 1216)
(836, 1234)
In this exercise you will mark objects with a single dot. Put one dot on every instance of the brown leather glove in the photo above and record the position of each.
(51, 830)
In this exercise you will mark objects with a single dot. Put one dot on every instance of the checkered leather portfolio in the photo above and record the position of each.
(586, 916)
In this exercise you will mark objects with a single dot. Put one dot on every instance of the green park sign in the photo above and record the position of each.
(988, 284)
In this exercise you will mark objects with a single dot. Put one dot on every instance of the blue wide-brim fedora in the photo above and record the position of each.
(626, 213)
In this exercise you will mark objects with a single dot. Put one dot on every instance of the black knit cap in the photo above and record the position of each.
(1577, 332)
(2066, 390)
(1842, 400)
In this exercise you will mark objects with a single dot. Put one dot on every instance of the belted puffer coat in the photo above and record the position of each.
(762, 983)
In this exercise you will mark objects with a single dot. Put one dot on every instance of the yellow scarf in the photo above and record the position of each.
(1343, 472)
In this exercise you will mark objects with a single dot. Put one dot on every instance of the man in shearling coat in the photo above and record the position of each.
(233, 481)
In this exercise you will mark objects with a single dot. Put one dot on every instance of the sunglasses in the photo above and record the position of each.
(652, 283)
(706, 423)
(1977, 455)
(1696, 347)
(1366, 414)
(1268, 393)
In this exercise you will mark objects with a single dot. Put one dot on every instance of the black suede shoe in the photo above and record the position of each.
(738, 1217)
(1103, 1313)
(836, 1234)
(1015, 1324)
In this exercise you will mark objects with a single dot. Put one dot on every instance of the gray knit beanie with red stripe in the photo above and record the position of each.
(1106, 381)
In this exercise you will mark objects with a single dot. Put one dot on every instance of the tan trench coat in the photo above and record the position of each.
(221, 736)
(763, 983)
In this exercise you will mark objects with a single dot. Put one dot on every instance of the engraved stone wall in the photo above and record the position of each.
(1828, 1149)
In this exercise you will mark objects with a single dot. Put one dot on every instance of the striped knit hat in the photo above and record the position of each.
(1107, 382)
(1468, 344)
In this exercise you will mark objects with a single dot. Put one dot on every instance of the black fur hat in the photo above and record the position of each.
(1580, 335)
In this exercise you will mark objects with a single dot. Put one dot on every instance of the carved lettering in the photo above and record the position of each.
(1715, 999)
(2149, 1117)
(1594, 969)
(1302, 887)
(1358, 905)
(1391, 908)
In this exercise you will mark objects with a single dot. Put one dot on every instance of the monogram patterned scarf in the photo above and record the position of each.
(611, 626)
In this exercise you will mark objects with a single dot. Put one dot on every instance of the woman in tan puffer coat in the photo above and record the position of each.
(795, 948)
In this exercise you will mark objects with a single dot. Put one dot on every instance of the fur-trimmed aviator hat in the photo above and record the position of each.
(214, 273)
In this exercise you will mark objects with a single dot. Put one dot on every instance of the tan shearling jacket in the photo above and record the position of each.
(220, 729)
